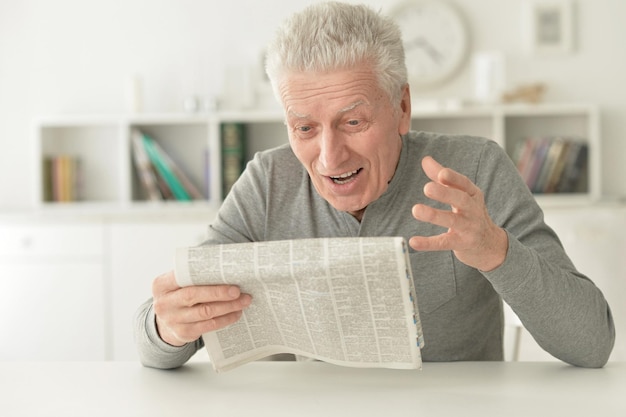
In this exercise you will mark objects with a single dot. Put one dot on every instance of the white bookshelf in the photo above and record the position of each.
(109, 180)
(103, 145)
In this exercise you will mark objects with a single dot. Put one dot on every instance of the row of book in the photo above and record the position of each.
(162, 178)
(553, 164)
(61, 178)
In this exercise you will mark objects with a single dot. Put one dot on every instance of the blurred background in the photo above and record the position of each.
(63, 59)
(72, 56)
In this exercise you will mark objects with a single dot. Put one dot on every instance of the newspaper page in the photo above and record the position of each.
(347, 301)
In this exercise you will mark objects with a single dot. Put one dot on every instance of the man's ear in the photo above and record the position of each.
(404, 122)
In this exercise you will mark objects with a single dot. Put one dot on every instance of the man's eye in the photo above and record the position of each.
(353, 122)
(304, 129)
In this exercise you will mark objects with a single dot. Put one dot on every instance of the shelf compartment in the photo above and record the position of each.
(97, 149)
(185, 142)
(568, 127)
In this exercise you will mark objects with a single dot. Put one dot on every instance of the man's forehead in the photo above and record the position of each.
(351, 106)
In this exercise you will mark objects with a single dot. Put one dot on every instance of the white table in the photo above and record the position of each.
(89, 389)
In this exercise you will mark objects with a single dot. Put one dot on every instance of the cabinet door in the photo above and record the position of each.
(52, 291)
(139, 253)
(51, 311)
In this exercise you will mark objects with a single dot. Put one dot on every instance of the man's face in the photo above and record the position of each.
(346, 133)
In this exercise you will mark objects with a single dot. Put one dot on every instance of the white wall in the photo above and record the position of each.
(72, 56)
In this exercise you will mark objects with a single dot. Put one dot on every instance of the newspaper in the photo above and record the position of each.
(347, 301)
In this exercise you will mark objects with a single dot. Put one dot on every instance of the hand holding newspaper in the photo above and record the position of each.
(347, 301)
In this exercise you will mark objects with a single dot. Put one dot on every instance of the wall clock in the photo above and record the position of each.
(435, 40)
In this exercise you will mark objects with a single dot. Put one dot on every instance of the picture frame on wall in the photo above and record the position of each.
(549, 27)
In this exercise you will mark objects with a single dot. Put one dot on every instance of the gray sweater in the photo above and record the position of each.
(460, 307)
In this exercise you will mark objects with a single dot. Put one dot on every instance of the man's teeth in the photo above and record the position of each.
(346, 175)
(344, 178)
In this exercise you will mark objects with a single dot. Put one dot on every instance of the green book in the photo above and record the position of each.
(233, 144)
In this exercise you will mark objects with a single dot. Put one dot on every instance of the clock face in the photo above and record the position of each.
(435, 40)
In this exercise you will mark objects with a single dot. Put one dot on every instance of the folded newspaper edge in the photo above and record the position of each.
(346, 301)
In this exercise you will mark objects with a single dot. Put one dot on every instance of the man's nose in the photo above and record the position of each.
(333, 151)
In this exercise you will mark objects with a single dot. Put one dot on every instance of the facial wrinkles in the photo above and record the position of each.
(307, 92)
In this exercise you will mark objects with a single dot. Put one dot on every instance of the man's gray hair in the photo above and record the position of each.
(332, 36)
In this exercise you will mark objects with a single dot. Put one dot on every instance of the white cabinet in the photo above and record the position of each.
(52, 299)
(108, 176)
(139, 253)
(70, 288)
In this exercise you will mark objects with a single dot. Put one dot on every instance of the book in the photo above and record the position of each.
(574, 176)
(346, 301)
(164, 169)
(164, 189)
(538, 159)
(557, 167)
(189, 186)
(46, 171)
(233, 146)
(144, 167)
(207, 173)
(62, 178)
(523, 156)
(551, 156)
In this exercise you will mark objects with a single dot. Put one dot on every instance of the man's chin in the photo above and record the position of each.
(354, 209)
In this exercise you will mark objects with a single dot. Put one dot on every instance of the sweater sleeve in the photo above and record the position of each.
(562, 309)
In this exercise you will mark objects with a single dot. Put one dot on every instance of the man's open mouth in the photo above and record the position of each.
(345, 177)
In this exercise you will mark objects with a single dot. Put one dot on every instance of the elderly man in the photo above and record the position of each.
(354, 168)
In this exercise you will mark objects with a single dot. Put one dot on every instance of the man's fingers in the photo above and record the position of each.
(197, 303)
(431, 167)
(180, 319)
(471, 234)
(443, 218)
(184, 314)
(447, 195)
(191, 331)
(213, 310)
(197, 294)
(447, 177)
(429, 243)
(220, 321)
